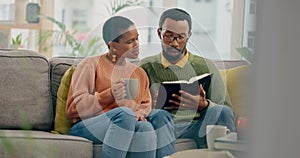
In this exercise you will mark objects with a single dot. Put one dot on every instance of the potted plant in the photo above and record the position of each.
(17, 42)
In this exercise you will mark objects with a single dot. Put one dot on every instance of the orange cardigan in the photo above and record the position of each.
(90, 90)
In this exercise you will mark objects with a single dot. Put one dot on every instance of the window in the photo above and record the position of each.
(213, 22)
(252, 7)
(7, 10)
(79, 18)
(13, 24)
(6, 16)
(249, 24)
(250, 40)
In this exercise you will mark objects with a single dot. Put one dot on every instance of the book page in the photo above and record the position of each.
(196, 78)
(180, 81)
(191, 80)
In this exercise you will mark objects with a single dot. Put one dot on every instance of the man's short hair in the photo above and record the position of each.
(177, 15)
(114, 27)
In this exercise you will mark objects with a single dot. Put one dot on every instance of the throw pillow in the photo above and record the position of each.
(62, 123)
(238, 87)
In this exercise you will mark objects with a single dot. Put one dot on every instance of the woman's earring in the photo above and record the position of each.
(114, 56)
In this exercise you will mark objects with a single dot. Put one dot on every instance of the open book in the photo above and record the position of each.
(191, 86)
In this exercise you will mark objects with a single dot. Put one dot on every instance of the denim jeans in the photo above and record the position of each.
(215, 115)
(122, 136)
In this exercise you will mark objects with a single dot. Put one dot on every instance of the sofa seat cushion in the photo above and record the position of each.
(180, 144)
(23, 144)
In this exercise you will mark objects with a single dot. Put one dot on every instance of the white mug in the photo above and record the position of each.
(132, 87)
(213, 132)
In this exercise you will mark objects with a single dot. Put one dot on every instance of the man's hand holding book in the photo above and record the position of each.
(189, 101)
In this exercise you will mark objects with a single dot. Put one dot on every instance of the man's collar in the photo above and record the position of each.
(180, 63)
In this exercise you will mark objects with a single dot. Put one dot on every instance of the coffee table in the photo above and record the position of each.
(203, 153)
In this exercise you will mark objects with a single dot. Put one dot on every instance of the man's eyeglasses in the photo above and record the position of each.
(169, 36)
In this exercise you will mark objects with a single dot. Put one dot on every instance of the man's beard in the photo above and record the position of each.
(172, 58)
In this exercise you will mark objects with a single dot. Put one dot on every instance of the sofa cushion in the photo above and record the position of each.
(62, 122)
(237, 87)
(58, 67)
(25, 101)
(228, 64)
(180, 145)
(24, 144)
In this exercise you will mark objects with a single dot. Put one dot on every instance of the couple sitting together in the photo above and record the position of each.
(134, 127)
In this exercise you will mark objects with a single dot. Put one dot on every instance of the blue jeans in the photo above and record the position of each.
(122, 136)
(216, 115)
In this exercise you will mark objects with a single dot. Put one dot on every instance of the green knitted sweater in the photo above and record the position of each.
(196, 65)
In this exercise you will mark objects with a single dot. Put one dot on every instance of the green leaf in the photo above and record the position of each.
(246, 53)
(117, 5)
(17, 40)
(61, 25)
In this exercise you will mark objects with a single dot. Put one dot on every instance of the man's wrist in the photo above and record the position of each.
(203, 109)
